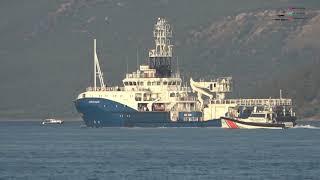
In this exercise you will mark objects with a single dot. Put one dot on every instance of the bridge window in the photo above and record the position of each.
(258, 115)
(130, 83)
(173, 82)
(126, 83)
(158, 83)
(141, 83)
(165, 82)
(153, 83)
(147, 97)
(138, 96)
(170, 83)
(178, 83)
(148, 83)
(134, 83)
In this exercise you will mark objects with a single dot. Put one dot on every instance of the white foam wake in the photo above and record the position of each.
(307, 126)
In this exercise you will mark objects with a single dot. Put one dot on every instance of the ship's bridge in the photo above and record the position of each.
(143, 72)
(145, 78)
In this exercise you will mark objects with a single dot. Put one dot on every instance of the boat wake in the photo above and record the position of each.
(307, 126)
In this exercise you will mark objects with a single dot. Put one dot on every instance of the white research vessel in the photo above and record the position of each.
(155, 96)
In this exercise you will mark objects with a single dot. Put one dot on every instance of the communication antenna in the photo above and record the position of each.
(137, 58)
(178, 70)
(127, 59)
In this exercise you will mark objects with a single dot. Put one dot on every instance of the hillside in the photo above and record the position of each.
(265, 55)
(303, 84)
(46, 48)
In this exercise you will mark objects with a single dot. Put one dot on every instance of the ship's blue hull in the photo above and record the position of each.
(98, 112)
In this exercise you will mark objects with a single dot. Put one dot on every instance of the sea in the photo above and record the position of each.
(29, 150)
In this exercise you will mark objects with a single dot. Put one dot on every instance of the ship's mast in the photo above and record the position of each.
(160, 57)
(94, 65)
(97, 70)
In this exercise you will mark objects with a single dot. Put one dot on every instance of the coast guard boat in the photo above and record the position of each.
(155, 96)
(257, 117)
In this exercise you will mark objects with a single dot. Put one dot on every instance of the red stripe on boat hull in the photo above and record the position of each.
(232, 124)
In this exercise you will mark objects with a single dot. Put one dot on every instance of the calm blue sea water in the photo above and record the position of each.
(31, 151)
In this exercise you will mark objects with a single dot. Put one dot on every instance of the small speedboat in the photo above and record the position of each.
(52, 121)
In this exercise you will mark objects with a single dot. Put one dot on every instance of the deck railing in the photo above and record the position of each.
(254, 102)
(115, 88)
(135, 88)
